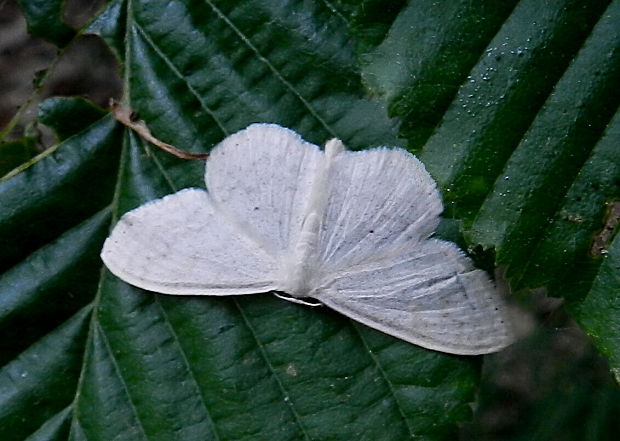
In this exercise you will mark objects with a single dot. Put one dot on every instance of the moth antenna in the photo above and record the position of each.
(299, 301)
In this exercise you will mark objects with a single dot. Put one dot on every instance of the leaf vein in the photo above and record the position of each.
(263, 353)
(189, 368)
(387, 380)
(336, 12)
(271, 67)
(117, 370)
(174, 69)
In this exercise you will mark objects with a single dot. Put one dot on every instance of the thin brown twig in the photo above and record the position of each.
(602, 240)
(125, 116)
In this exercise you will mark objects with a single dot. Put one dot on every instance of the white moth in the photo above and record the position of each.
(349, 229)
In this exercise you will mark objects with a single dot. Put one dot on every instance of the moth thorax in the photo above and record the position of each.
(333, 147)
(300, 263)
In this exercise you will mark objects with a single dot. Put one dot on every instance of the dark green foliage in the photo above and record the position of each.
(509, 104)
(45, 20)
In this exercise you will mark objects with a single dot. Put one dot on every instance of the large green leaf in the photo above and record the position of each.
(45, 20)
(600, 311)
(522, 135)
(14, 153)
(478, 83)
(193, 368)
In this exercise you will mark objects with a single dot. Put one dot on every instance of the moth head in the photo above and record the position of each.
(333, 147)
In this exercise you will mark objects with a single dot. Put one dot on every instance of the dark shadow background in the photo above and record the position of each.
(87, 68)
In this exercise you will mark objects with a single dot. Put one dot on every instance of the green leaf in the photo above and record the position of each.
(15, 153)
(54, 429)
(67, 272)
(600, 311)
(251, 367)
(45, 20)
(110, 26)
(472, 86)
(52, 364)
(425, 57)
(561, 137)
(519, 130)
(68, 116)
(57, 190)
